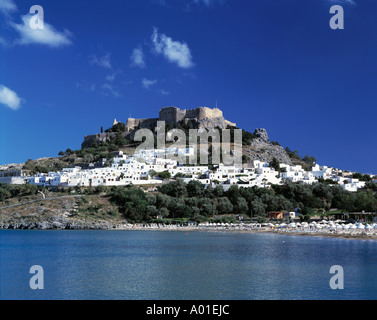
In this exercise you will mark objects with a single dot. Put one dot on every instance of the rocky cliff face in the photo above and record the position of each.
(99, 137)
(16, 166)
(212, 123)
(263, 150)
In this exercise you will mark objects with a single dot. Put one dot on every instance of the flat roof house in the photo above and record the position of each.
(275, 215)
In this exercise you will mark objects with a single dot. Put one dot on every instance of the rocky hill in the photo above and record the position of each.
(261, 148)
(258, 147)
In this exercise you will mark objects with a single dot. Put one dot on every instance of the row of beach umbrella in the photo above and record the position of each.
(329, 225)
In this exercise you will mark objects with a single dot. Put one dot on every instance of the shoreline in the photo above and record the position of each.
(106, 226)
(349, 236)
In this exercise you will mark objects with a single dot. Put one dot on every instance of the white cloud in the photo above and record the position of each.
(110, 77)
(207, 3)
(163, 92)
(86, 87)
(174, 51)
(3, 42)
(113, 75)
(137, 58)
(148, 83)
(48, 36)
(103, 62)
(108, 89)
(189, 3)
(7, 6)
(9, 98)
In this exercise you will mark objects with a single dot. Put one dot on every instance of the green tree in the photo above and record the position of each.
(224, 206)
(152, 173)
(164, 212)
(258, 208)
(4, 194)
(163, 201)
(292, 154)
(195, 189)
(207, 208)
(274, 163)
(132, 202)
(88, 158)
(241, 206)
(309, 160)
(174, 189)
(152, 212)
(362, 177)
(164, 175)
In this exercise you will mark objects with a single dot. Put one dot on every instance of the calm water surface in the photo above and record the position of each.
(170, 265)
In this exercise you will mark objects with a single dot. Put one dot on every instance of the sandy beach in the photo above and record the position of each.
(323, 228)
(329, 231)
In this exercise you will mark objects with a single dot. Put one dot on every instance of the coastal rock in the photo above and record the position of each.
(262, 135)
(55, 223)
(262, 149)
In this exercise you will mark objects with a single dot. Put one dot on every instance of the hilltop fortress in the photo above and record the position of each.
(203, 117)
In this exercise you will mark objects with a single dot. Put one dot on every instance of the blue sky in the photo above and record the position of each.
(273, 64)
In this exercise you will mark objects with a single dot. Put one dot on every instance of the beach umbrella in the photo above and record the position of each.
(360, 226)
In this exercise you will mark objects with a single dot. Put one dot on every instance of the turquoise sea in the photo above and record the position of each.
(155, 265)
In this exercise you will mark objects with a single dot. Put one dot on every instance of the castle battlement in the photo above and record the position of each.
(174, 115)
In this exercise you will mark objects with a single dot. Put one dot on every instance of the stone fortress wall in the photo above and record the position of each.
(133, 123)
(174, 115)
(205, 117)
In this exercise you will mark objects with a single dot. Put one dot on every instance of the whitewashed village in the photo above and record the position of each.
(138, 169)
